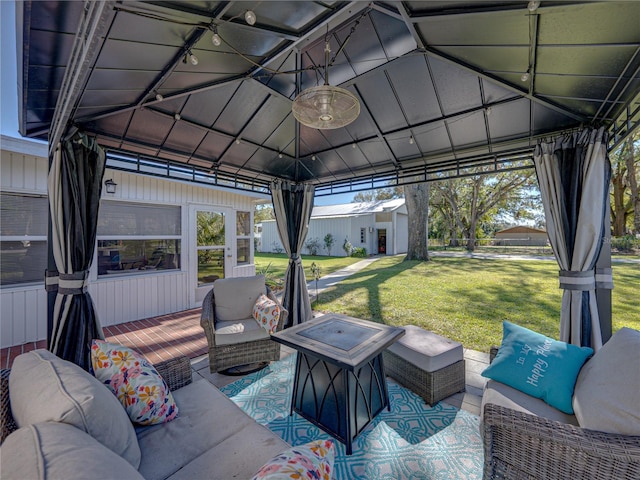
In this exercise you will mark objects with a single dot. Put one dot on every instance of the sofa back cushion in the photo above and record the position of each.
(607, 393)
(57, 450)
(235, 297)
(45, 388)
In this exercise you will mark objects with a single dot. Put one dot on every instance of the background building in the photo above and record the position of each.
(381, 227)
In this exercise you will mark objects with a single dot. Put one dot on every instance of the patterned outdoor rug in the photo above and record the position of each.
(412, 441)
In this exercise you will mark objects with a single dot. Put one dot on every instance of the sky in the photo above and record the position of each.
(9, 92)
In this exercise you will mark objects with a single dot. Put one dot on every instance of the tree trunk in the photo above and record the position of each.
(633, 185)
(417, 201)
(618, 209)
(473, 217)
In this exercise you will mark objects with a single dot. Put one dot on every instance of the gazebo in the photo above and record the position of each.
(303, 98)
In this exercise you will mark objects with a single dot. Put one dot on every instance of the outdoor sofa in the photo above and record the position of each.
(526, 438)
(78, 432)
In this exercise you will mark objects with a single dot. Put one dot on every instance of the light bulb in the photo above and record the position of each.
(193, 59)
(159, 97)
(525, 76)
(533, 5)
(177, 116)
(313, 157)
(411, 140)
(250, 17)
(215, 39)
(238, 141)
(279, 155)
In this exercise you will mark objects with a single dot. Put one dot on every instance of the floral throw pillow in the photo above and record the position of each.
(141, 390)
(267, 313)
(312, 460)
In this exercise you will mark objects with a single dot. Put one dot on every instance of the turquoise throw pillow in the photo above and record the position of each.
(538, 366)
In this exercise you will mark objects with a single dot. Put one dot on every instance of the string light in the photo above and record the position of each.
(177, 116)
(250, 17)
(533, 6)
(159, 97)
(215, 39)
(411, 141)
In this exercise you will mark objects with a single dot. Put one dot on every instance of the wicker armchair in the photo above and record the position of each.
(225, 356)
(175, 371)
(518, 446)
(521, 446)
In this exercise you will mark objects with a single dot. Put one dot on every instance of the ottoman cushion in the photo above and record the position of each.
(427, 350)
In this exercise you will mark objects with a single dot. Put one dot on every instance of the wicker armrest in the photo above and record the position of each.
(7, 424)
(175, 371)
(519, 445)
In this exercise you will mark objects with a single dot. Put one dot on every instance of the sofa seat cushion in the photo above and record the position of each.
(235, 297)
(505, 396)
(607, 393)
(45, 388)
(239, 331)
(211, 434)
(53, 450)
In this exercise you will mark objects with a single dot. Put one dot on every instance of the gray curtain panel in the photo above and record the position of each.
(75, 184)
(573, 174)
(292, 205)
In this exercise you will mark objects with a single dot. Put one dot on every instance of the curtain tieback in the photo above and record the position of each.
(51, 279)
(73, 283)
(604, 278)
(577, 280)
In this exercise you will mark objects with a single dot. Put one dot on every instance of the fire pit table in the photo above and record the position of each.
(339, 381)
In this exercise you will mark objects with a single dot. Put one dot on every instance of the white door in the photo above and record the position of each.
(211, 229)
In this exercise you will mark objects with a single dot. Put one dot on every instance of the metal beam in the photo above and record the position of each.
(96, 19)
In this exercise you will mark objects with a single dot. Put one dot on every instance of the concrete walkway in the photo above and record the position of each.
(339, 275)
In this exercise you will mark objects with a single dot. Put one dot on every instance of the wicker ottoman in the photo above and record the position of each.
(426, 363)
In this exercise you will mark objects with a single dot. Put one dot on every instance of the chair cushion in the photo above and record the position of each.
(311, 460)
(538, 366)
(607, 393)
(138, 386)
(267, 313)
(239, 331)
(53, 450)
(45, 388)
(427, 350)
(506, 396)
(235, 297)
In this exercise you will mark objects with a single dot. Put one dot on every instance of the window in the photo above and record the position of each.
(23, 238)
(138, 238)
(243, 237)
(363, 235)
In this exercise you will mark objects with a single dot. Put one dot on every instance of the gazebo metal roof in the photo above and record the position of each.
(441, 84)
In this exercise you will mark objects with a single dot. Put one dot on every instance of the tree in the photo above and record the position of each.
(625, 202)
(263, 212)
(467, 202)
(328, 242)
(388, 193)
(417, 201)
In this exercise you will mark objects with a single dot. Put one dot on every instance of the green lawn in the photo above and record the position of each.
(467, 299)
(274, 265)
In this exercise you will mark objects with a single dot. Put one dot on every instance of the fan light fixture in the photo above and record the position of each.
(326, 107)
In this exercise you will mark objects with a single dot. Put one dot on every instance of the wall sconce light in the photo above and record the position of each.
(370, 229)
(110, 186)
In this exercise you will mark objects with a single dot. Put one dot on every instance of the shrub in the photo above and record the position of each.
(328, 242)
(313, 245)
(627, 244)
(347, 247)
(277, 248)
(359, 252)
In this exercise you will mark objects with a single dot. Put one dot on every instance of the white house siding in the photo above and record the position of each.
(347, 226)
(118, 299)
